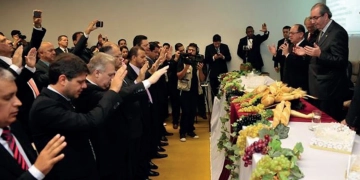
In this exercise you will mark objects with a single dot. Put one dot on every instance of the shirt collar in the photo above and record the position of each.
(1, 130)
(136, 69)
(6, 59)
(91, 82)
(45, 62)
(297, 44)
(327, 26)
(57, 92)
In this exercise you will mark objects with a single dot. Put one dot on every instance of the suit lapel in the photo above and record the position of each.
(53, 95)
(325, 35)
(8, 162)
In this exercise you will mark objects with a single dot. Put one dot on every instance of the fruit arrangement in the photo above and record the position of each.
(250, 131)
(278, 163)
(246, 121)
(260, 146)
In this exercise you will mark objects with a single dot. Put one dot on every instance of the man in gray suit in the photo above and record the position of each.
(46, 57)
(327, 70)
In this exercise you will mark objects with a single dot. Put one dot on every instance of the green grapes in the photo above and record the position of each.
(251, 131)
(271, 166)
(257, 108)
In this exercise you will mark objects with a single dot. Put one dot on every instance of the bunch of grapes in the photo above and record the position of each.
(246, 121)
(272, 166)
(257, 108)
(243, 97)
(251, 131)
(260, 146)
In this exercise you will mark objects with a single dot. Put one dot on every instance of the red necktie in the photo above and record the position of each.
(33, 87)
(7, 136)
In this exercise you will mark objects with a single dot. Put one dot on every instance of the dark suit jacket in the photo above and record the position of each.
(313, 37)
(9, 168)
(353, 115)
(327, 74)
(80, 49)
(279, 59)
(52, 114)
(254, 55)
(218, 66)
(59, 51)
(41, 76)
(296, 69)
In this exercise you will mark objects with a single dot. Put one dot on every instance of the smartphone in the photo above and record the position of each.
(100, 24)
(37, 14)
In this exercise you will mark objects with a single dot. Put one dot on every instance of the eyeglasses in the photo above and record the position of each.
(292, 33)
(315, 17)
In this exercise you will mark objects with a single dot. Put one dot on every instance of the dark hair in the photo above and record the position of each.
(66, 64)
(153, 46)
(216, 38)
(287, 27)
(138, 39)
(249, 28)
(59, 38)
(2, 34)
(15, 32)
(134, 51)
(194, 46)
(323, 9)
(74, 36)
(177, 46)
(121, 40)
(124, 47)
(166, 44)
(105, 49)
(301, 28)
(157, 42)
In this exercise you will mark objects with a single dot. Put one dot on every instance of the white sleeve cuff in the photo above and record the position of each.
(213, 58)
(39, 29)
(32, 69)
(36, 173)
(15, 68)
(146, 84)
(86, 35)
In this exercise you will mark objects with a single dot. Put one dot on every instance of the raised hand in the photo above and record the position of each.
(49, 156)
(17, 57)
(272, 49)
(37, 21)
(91, 27)
(285, 48)
(156, 75)
(117, 81)
(169, 53)
(142, 72)
(313, 51)
(30, 59)
(263, 28)
(300, 51)
(200, 66)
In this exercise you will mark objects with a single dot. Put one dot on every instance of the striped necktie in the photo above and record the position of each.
(9, 138)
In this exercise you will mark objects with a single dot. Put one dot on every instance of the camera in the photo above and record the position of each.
(23, 37)
(192, 59)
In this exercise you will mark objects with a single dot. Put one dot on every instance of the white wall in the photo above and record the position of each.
(164, 20)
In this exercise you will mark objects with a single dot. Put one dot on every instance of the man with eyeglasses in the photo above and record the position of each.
(278, 56)
(327, 70)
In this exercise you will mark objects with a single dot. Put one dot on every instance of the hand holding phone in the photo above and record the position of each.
(99, 24)
(37, 14)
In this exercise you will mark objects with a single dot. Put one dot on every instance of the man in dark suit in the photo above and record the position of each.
(52, 112)
(278, 57)
(20, 161)
(27, 89)
(249, 47)
(217, 55)
(296, 67)
(46, 57)
(330, 57)
(312, 33)
(63, 45)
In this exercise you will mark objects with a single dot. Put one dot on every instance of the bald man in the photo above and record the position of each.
(113, 50)
(47, 55)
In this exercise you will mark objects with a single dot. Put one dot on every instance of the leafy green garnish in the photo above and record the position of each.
(282, 131)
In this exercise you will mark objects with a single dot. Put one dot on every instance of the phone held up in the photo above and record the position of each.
(100, 24)
(37, 14)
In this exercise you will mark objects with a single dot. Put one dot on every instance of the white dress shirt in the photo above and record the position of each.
(32, 170)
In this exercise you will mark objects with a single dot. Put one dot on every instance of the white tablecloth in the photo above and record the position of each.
(315, 164)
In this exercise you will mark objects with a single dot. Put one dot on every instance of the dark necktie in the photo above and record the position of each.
(321, 34)
(7, 136)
